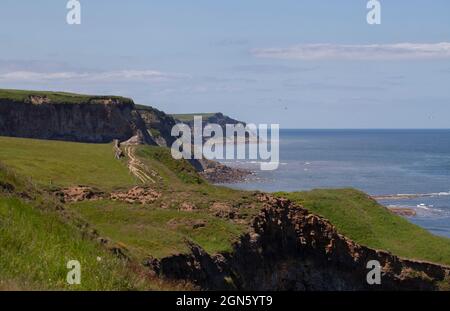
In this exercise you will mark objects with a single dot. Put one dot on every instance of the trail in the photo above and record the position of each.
(136, 167)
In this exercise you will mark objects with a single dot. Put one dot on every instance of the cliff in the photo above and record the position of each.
(216, 118)
(288, 248)
(70, 117)
(158, 123)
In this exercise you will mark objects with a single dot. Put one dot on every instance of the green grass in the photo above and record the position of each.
(157, 232)
(55, 163)
(36, 243)
(182, 169)
(187, 117)
(363, 220)
(145, 230)
(36, 246)
(56, 97)
(181, 183)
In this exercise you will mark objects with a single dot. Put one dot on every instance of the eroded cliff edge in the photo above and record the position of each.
(288, 248)
(88, 119)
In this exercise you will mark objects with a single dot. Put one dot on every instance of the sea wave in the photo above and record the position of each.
(410, 195)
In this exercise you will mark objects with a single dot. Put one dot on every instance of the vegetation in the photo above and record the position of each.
(187, 117)
(157, 232)
(56, 163)
(36, 241)
(55, 97)
(363, 220)
(156, 229)
(36, 244)
(181, 168)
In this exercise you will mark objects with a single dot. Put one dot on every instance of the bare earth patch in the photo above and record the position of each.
(78, 194)
(137, 195)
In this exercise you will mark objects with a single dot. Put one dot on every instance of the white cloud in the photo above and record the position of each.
(106, 76)
(396, 51)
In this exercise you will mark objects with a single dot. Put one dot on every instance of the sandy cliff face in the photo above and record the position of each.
(287, 248)
(94, 121)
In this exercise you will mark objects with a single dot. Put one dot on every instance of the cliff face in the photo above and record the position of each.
(287, 248)
(159, 125)
(96, 120)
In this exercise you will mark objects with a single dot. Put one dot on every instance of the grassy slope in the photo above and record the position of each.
(160, 229)
(368, 223)
(55, 97)
(157, 232)
(149, 230)
(51, 163)
(145, 230)
(36, 244)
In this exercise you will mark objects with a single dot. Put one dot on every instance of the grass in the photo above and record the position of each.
(363, 220)
(55, 97)
(36, 244)
(55, 163)
(181, 183)
(187, 117)
(158, 229)
(156, 232)
(145, 230)
(182, 169)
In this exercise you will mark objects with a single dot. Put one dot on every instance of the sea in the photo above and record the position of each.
(406, 168)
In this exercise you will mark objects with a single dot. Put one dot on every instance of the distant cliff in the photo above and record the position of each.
(158, 123)
(70, 117)
(207, 118)
(95, 119)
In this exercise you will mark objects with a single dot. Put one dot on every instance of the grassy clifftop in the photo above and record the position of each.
(56, 163)
(155, 229)
(363, 220)
(189, 117)
(56, 97)
(36, 242)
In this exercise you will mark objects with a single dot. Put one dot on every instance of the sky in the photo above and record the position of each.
(300, 64)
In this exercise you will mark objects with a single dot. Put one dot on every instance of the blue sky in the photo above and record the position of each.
(302, 64)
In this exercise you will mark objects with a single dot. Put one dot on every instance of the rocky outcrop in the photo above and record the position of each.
(215, 118)
(94, 120)
(159, 125)
(142, 195)
(218, 173)
(287, 248)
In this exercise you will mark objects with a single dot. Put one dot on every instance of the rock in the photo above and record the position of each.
(142, 195)
(93, 119)
(199, 223)
(187, 207)
(6, 187)
(137, 139)
(78, 194)
(402, 211)
(223, 210)
(217, 173)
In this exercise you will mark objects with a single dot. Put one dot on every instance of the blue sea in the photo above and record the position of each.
(412, 167)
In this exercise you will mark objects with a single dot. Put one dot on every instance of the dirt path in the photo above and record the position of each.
(136, 167)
